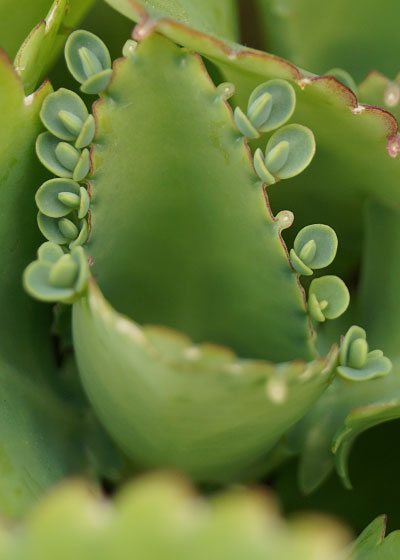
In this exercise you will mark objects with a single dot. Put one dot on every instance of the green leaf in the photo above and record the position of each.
(220, 415)
(159, 517)
(315, 246)
(328, 298)
(65, 115)
(215, 17)
(373, 545)
(358, 421)
(357, 145)
(205, 253)
(377, 89)
(40, 440)
(17, 19)
(40, 436)
(20, 174)
(346, 35)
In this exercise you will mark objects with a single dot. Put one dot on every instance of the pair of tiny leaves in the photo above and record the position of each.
(61, 158)
(315, 247)
(89, 61)
(356, 362)
(57, 276)
(288, 152)
(64, 231)
(57, 198)
(291, 148)
(270, 105)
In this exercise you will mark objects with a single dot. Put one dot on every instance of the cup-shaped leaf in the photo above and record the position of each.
(356, 363)
(220, 415)
(46, 146)
(328, 298)
(62, 158)
(64, 113)
(276, 111)
(57, 276)
(63, 231)
(315, 247)
(50, 202)
(88, 60)
(301, 150)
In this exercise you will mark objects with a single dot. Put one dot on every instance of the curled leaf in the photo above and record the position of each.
(88, 60)
(270, 105)
(289, 151)
(57, 276)
(62, 158)
(65, 115)
(328, 298)
(356, 362)
(315, 247)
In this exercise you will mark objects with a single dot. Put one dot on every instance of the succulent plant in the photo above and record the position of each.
(176, 226)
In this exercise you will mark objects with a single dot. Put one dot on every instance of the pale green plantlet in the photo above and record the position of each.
(315, 247)
(89, 61)
(56, 275)
(288, 152)
(50, 200)
(356, 361)
(328, 298)
(62, 158)
(63, 231)
(270, 105)
(65, 115)
(129, 48)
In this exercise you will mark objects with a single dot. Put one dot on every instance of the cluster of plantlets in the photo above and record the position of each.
(220, 366)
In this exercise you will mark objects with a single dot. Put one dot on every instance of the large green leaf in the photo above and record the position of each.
(217, 17)
(356, 146)
(319, 36)
(24, 325)
(185, 237)
(43, 35)
(40, 439)
(168, 402)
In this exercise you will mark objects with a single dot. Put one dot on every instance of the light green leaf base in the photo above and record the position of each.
(169, 402)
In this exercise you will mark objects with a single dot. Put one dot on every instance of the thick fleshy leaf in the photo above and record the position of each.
(220, 416)
(217, 18)
(357, 143)
(159, 517)
(17, 19)
(39, 437)
(317, 38)
(20, 124)
(373, 545)
(39, 434)
(196, 247)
